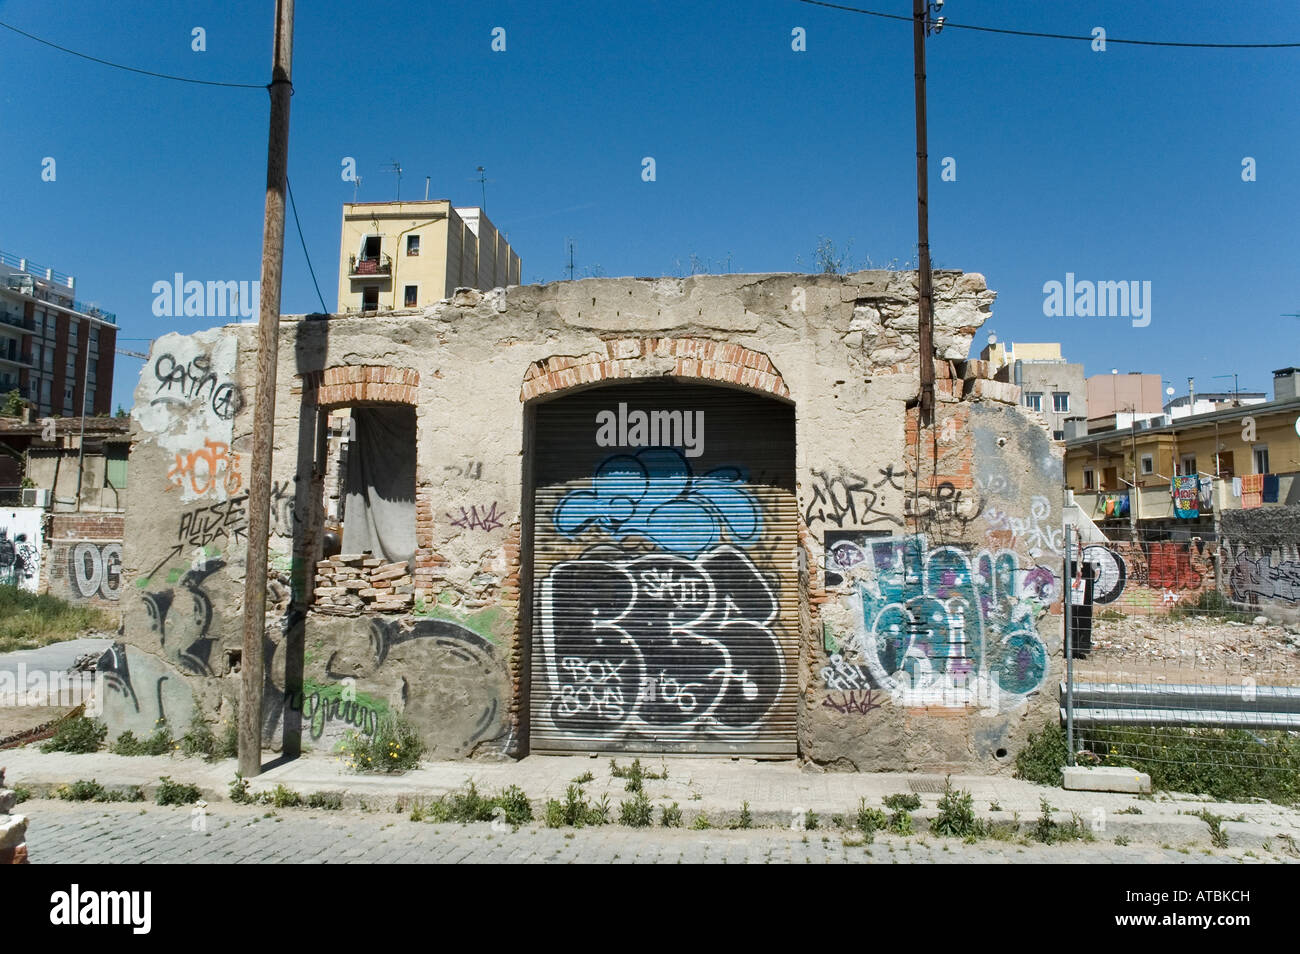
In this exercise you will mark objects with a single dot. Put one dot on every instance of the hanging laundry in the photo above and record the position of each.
(1187, 497)
(1236, 486)
(1207, 493)
(1271, 483)
(1122, 510)
(1110, 506)
(1252, 491)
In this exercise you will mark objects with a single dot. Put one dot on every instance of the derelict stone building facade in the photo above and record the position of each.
(628, 515)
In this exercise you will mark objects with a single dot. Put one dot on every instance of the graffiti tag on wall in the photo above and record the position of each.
(1034, 533)
(187, 382)
(19, 560)
(212, 469)
(940, 626)
(486, 518)
(95, 570)
(678, 642)
(1259, 577)
(847, 499)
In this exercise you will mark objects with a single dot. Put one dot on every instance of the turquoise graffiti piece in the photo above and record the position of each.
(946, 614)
(654, 495)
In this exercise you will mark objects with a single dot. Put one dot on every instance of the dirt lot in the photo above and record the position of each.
(1194, 650)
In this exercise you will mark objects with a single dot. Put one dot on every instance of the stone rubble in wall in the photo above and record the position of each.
(350, 583)
(13, 828)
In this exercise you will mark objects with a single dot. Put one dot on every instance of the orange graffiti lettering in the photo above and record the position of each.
(212, 463)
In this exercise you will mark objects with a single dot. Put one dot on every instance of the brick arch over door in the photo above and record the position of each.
(361, 383)
(623, 358)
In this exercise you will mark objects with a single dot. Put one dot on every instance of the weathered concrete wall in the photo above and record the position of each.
(974, 558)
(184, 542)
(980, 491)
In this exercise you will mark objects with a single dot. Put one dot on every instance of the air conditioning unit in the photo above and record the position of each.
(36, 497)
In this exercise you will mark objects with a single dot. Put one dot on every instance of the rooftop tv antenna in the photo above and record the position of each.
(569, 267)
(396, 167)
(482, 181)
(356, 184)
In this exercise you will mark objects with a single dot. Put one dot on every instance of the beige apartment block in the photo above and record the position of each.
(396, 255)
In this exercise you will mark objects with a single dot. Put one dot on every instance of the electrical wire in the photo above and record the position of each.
(949, 25)
(294, 205)
(131, 69)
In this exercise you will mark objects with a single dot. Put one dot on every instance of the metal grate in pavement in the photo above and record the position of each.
(928, 786)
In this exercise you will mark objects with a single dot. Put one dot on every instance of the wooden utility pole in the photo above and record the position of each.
(925, 302)
(259, 489)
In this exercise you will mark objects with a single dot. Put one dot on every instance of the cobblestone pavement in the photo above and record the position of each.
(84, 833)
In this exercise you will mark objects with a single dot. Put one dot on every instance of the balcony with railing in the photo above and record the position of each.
(378, 266)
(1156, 502)
(54, 280)
(15, 319)
(12, 352)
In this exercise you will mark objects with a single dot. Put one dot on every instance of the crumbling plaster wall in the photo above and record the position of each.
(841, 348)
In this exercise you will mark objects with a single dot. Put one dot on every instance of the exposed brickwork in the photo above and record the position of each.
(697, 358)
(1161, 575)
(359, 384)
(86, 526)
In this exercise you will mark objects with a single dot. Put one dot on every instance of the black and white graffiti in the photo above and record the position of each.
(182, 619)
(1109, 573)
(183, 382)
(659, 643)
(19, 560)
(95, 569)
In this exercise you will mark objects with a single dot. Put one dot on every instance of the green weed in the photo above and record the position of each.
(176, 793)
(79, 734)
(636, 812)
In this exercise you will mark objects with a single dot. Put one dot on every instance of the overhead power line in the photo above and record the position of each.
(130, 69)
(949, 25)
(294, 205)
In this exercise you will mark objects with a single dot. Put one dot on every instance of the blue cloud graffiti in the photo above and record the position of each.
(654, 495)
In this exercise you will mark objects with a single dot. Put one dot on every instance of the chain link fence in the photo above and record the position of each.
(1183, 659)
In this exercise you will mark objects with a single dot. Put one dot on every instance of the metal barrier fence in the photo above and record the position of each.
(1182, 653)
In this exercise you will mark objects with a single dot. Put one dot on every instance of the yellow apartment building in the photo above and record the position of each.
(412, 254)
(1224, 446)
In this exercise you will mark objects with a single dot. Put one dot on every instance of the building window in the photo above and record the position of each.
(412, 291)
(370, 246)
(1060, 402)
(1034, 400)
(1058, 435)
(1261, 459)
(1089, 480)
(1148, 464)
(115, 467)
(1188, 466)
(413, 245)
(370, 298)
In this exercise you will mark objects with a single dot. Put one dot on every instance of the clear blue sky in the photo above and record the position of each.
(1122, 165)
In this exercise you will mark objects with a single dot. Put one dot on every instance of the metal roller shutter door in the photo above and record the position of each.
(666, 603)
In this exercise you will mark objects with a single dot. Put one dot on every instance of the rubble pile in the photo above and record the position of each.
(349, 583)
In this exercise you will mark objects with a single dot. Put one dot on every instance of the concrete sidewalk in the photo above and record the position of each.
(778, 793)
